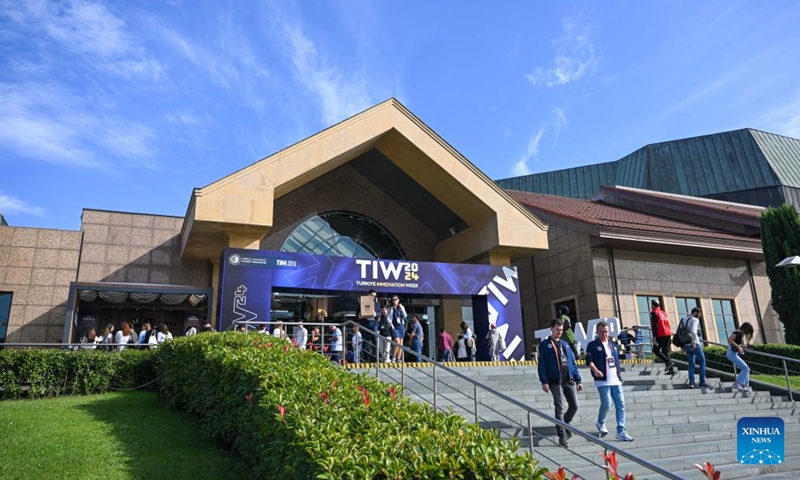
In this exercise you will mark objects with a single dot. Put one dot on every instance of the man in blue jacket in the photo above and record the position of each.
(559, 375)
(602, 358)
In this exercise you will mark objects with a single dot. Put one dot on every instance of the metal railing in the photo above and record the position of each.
(491, 397)
(784, 369)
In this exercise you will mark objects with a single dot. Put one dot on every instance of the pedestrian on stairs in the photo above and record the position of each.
(662, 335)
(739, 339)
(560, 377)
(694, 350)
(602, 358)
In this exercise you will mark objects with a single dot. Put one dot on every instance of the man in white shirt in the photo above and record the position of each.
(694, 350)
(278, 330)
(357, 341)
(301, 337)
(602, 358)
(336, 343)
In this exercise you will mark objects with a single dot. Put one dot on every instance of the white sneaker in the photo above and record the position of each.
(740, 387)
(624, 436)
(601, 427)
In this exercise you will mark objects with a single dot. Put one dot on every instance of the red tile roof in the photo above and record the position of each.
(603, 215)
(749, 212)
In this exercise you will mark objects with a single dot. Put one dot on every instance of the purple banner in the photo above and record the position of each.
(248, 276)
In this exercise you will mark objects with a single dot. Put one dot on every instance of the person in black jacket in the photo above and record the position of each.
(602, 358)
(560, 377)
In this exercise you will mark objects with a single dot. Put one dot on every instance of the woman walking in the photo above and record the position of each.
(739, 339)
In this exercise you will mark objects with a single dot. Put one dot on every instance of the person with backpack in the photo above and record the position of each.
(694, 349)
(569, 333)
(662, 334)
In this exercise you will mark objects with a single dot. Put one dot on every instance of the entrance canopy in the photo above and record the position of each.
(248, 277)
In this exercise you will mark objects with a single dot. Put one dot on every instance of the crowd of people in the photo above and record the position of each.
(559, 374)
(118, 339)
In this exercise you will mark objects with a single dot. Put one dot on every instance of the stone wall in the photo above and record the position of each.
(671, 276)
(564, 270)
(37, 265)
(137, 248)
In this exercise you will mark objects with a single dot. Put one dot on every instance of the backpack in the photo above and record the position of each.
(682, 336)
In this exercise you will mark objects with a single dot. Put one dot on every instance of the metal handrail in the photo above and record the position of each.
(605, 445)
(763, 354)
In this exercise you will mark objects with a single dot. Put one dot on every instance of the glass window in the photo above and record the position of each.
(725, 317)
(643, 312)
(343, 234)
(685, 306)
(5, 312)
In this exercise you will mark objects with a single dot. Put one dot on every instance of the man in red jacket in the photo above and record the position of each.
(662, 334)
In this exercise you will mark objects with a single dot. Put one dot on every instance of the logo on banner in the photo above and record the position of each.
(239, 301)
(760, 440)
(235, 259)
(381, 273)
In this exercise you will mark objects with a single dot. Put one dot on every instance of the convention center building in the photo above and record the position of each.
(380, 201)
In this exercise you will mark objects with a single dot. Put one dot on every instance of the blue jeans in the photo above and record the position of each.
(607, 394)
(698, 356)
(744, 370)
(416, 345)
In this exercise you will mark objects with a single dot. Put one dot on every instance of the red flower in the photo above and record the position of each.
(392, 392)
(365, 396)
(285, 347)
(251, 399)
(560, 474)
(269, 345)
(708, 470)
(611, 465)
(324, 397)
(281, 410)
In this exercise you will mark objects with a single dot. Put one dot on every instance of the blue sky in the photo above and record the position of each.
(129, 105)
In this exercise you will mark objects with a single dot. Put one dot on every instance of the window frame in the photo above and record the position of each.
(723, 336)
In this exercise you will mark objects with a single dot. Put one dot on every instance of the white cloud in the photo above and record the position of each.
(575, 58)
(87, 29)
(11, 205)
(557, 121)
(340, 92)
(48, 123)
(340, 96)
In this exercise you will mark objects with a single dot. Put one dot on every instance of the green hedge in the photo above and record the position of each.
(50, 373)
(715, 358)
(237, 383)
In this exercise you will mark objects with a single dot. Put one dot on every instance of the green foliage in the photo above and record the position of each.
(335, 424)
(112, 436)
(780, 238)
(50, 373)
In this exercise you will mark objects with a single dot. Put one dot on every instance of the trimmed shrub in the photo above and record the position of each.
(50, 373)
(290, 413)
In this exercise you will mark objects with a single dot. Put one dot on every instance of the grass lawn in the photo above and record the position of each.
(779, 380)
(111, 436)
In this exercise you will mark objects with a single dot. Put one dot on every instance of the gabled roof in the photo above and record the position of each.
(703, 166)
(611, 222)
(240, 206)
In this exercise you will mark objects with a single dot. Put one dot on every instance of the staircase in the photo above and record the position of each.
(674, 426)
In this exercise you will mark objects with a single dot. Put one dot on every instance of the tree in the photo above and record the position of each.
(780, 238)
